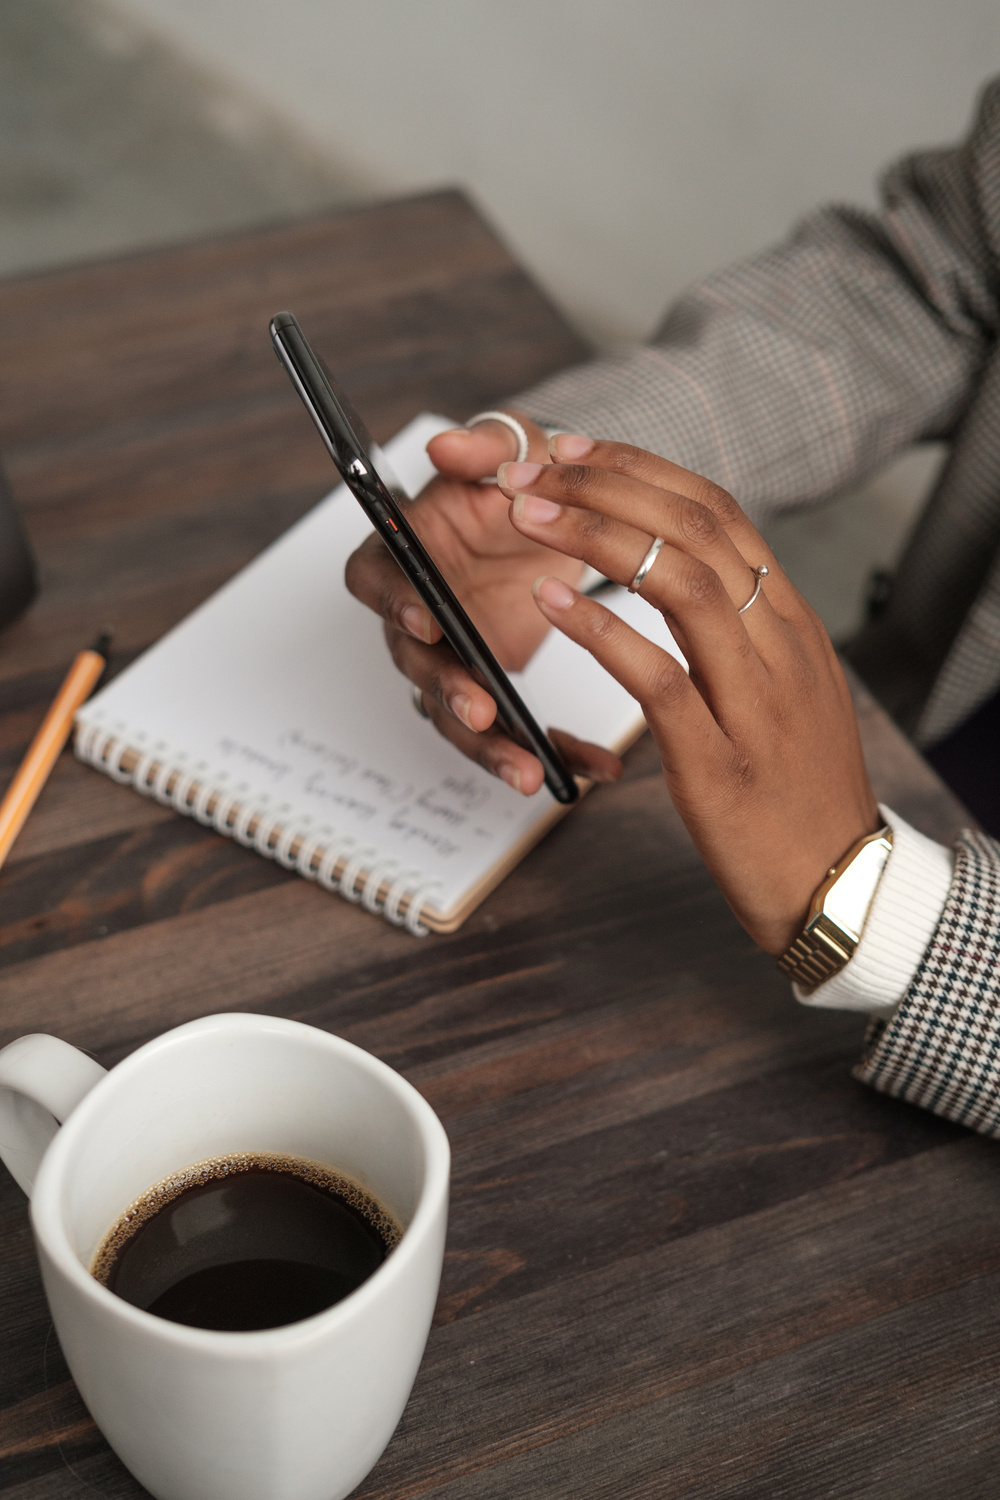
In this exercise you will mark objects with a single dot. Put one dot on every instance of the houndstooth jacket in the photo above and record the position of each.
(797, 373)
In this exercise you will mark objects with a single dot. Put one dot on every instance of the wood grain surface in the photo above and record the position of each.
(689, 1256)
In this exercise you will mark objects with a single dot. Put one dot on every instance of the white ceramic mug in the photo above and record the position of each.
(300, 1412)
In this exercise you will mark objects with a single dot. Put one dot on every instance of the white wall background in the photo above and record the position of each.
(622, 147)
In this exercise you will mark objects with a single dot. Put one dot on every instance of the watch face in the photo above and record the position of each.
(849, 898)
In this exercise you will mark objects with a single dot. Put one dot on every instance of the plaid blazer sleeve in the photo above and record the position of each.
(802, 369)
(941, 1049)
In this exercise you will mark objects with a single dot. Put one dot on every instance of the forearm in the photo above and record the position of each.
(773, 381)
(802, 369)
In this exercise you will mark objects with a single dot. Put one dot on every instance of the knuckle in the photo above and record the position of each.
(810, 622)
(719, 501)
(667, 682)
(700, 584)
(698, 525)
(576, 479)
(741, 771)
(594, 526)
(435, 688)
(743, 648)
(603, 626)
(624, 459)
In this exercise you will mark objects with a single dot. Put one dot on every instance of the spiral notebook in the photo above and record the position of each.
(274, 715)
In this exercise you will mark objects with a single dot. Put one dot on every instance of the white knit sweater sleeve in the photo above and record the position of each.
(905, 911)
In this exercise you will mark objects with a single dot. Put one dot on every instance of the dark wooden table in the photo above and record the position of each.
(689, 1255)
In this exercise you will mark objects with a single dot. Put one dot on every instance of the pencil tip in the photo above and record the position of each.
(103, 644)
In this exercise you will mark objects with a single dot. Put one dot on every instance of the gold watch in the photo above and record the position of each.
(837, 915)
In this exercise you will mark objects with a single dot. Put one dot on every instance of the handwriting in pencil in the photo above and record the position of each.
(338, 760)
(257, 759)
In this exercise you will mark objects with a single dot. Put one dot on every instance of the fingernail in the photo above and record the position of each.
(511, 775)
(570, 445)
(553, 592)
(534, 508)
(460, 705)
(517, 476)
(416, 621)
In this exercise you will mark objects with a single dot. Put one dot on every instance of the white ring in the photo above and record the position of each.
(509, 422)
(645, 565)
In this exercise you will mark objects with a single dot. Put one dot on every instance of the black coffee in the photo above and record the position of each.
(246, 1241)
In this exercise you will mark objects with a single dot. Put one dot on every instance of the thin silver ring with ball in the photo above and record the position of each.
(645, 565)
(513, 425)
(417, 699)
(761, 574)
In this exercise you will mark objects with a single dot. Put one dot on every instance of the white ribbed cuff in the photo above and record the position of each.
(905, 911)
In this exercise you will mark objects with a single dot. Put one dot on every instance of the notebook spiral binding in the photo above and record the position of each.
(354, 871)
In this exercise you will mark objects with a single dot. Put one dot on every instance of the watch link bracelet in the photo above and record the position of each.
(837, 915)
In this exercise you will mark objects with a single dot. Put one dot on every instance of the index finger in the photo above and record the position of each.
(636, 463)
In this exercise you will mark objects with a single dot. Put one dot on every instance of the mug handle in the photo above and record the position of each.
(42, 1080)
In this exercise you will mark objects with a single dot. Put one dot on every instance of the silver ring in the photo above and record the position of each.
(761, 573)
(417, 699)
(505, 418)
(645, 565)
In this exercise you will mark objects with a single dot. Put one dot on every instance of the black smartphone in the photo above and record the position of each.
(356, 455)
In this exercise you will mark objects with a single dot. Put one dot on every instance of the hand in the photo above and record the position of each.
(466, 528)
(760, 744)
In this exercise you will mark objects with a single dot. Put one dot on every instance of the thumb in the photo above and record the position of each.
(477, 452)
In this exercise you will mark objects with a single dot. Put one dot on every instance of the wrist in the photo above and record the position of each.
(902, 919)
(837, 913)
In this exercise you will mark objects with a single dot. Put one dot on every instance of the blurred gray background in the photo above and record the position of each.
(621, 147)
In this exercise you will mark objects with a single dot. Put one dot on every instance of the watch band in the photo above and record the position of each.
(827, 943)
